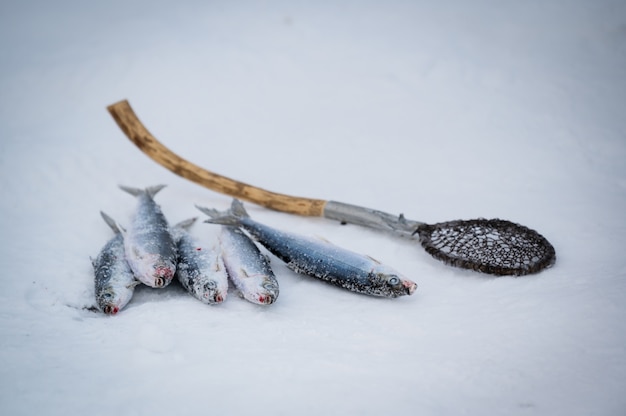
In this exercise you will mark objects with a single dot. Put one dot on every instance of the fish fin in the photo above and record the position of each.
(93, 262)
(110, 222)
(213, 213)
(372, 259)
(217, 217)
(186, 223)
(238, 210)
(151, 190)
(243, 272)
(133, 284)
(132, 191)
(219, 263)
(121, 229)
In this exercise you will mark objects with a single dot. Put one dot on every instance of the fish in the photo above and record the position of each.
(248, 268)
(114, 279)
(321, 259)
(150, 249)
(200, 270)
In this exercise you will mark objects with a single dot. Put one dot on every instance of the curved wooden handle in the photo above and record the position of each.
(127, 120)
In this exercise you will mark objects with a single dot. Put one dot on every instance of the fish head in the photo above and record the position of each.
(211, 292)
(163, 272)
(111, 302)
(390, 283)
(107, 303)
(269, 294)
(151, 269)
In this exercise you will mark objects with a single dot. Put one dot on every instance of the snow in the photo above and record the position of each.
(441, 111)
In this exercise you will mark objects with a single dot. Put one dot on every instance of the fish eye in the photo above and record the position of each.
(394, 281)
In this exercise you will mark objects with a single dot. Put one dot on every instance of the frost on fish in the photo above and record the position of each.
(321, 259)
(247, 267)
(200, 270)
(150, 249)
(114, 280)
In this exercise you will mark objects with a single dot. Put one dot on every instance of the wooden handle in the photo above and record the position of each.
(127, 120)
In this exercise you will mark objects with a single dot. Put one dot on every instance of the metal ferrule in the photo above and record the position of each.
(371, 218)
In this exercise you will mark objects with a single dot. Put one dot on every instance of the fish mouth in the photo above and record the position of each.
(266, 299)
(212, 297)
(409, 286)
(218, 298)
(110, 309)
(210, 293)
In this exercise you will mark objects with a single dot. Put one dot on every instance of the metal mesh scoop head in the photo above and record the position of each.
(492, 246)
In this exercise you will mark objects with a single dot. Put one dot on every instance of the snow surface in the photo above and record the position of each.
(440, 110)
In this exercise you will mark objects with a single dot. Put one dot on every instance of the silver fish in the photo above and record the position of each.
(150, 249)
(114, 280)
(247, 267)
(200, 270)
(321, 259)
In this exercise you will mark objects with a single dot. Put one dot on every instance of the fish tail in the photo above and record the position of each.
(151, 190)
(233, 216)
(238, 210)
(213, 213)
(110, 222)
(186, 223)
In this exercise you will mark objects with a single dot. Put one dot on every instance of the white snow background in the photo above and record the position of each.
(439, 110)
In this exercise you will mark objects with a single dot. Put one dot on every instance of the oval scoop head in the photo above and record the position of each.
(493, 246)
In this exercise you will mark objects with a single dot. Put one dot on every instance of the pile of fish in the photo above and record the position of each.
(151, 252)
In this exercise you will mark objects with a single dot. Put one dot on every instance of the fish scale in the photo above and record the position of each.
(150, 249)
(321, 259)
(114, 280)
(247, 267)
(200, 270)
